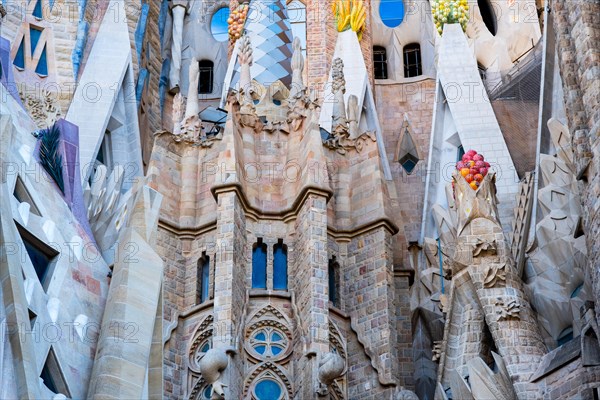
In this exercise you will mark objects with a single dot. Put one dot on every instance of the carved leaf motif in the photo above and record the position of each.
(484, 246)
(494, 274)
(507, 309)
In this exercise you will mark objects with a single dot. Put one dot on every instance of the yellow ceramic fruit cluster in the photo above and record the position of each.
(350, 14)
(450, 12)
(236, 22)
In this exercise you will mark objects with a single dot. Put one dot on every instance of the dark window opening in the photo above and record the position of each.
(259, 265)
(32, 318)
(19, 61)
(53, 377)
(22, 195)
(205, 85)
(460, 153)
(203, 279)
(334, 281)
(380, 62)
(40, 254)
(488, 15)
(280, 266)
(412, 60)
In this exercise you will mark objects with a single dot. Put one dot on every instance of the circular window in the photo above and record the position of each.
(206, 393)
(268, 342)
(391, 12)
(218, 24)
(268, 389)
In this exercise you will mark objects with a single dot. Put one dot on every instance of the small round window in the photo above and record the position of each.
(268, 389)
(391, 12)
(218, 24)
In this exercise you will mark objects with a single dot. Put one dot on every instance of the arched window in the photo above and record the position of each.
(488, 15)
(334, 281)
(205, 85)
(280, 266)
(380, 62)
(412, 60)
(259, 265)
(203, 279)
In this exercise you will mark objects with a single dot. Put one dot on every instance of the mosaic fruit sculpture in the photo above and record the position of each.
(350, 15)
(236, 21)
(473, 168)
(450, 12)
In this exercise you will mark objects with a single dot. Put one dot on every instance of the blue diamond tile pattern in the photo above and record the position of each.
(271, 35)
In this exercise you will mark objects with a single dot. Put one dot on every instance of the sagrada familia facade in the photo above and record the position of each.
(228, 199)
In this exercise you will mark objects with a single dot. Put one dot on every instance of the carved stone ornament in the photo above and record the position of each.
(494, 275)
(472, 204)
(212, 365)
(331, 367)
(483, 248)
(436, 352)
(45, 109)
(345, 134)
(188, 128)
(507, 308)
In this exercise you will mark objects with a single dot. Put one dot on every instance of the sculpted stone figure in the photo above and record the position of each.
(179, 9)
(212, 365)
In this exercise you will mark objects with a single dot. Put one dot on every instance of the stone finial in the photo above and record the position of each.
(212, 365)
(331, 367)
(338, 88)
(297, 69)
(353, 116)
(404, 394)
(246, 59)
(193, 107)
(472, 204)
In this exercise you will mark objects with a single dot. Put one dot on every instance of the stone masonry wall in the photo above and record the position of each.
(577, 30)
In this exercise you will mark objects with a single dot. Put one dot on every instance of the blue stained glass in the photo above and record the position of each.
(34, 36)
(391, 12)
(42, 67)
(280, 279)
(205, 348)
(259, 266)
(409, 165)
(260, 349)
(261, 336)
(37, 10)
(19, 61)
(268, 390)
(276, 350)
(205, 278)
(218, 25)
(276, 337)
(208, 392)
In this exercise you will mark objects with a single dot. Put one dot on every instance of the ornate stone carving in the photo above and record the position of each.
(437, 350)
(297, 69)
(331, 367)
(45, 109)
(472, 204)
(507, 308)
(188, 127)
(212, 365)
(179, 9)
(494, 275)
(483, 248)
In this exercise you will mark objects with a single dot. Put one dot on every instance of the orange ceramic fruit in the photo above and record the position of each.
(469, 178)
(478, 177)
(465, 171)
(474, 185)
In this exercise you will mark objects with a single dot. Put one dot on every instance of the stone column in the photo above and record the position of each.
(179, 9)
(230, 287)
(484, 252)
(310, 285)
